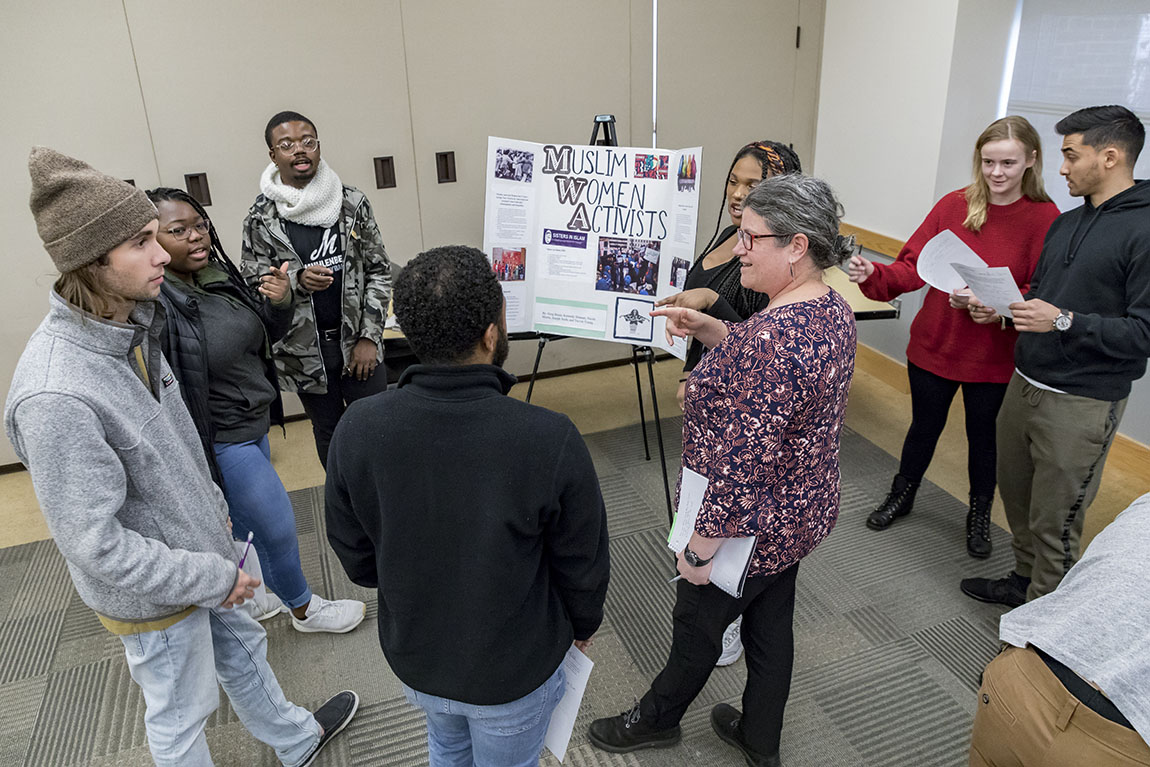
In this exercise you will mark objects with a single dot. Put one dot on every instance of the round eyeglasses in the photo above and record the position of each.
(287, 146)
(181, 232)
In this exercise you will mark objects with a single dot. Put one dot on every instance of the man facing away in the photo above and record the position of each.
(1072, 688)
(340, 274)
(1084, 336)
(95, 414)
(479, 519)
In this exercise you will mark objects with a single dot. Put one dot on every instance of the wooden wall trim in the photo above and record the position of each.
(879, 243)
(1125, 453)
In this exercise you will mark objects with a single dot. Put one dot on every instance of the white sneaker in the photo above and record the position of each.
(338, 617)
(264, 605)
(732, 643)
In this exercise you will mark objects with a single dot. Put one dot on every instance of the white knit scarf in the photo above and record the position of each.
(317, 204)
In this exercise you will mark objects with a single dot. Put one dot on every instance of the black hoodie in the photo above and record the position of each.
(1096, 264)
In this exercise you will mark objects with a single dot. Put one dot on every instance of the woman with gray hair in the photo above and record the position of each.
(762, 418)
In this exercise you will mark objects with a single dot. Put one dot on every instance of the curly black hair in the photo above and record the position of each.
(445, 299)
(287, 116)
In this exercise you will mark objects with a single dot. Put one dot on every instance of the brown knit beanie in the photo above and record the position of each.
(80, 212)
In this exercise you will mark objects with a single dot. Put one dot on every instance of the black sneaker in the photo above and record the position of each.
(725, 721)
(625, 732)
(1009, 591)
(333, 716)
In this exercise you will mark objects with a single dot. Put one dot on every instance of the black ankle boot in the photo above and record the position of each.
(898, 503)
(978, 527)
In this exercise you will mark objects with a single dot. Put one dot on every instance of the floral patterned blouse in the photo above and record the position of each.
(762, 418)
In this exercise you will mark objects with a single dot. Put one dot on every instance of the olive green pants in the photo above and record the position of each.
(1051, 450)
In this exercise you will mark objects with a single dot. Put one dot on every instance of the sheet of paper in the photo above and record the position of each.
(577, 668)
(937, 259)
(730, 567)
(993, 286)
(692, 488)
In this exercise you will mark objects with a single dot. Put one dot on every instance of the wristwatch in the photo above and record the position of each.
(1062, 321)
(693, 558)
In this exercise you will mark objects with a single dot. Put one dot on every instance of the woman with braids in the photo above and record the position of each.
(762, 423)
(712, 284)
(218, 342)
(1003, 216)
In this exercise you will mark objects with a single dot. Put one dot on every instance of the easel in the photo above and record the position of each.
(638, 353)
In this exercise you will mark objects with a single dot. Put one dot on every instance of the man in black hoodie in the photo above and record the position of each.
(1084, 336)
(477, 517)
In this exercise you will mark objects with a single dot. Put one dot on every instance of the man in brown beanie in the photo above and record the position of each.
(116, 463)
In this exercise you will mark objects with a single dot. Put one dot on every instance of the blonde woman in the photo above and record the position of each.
(1003, 216)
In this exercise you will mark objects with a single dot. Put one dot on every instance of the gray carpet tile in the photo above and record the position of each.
(887, 650)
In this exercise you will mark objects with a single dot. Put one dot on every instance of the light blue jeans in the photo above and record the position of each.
(258, 503)
(177, 669)
(506, 735)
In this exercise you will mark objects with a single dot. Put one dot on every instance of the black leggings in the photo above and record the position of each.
(930, 398)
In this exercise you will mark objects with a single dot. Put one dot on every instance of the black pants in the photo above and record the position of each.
(701, 615)
(325, 410)
(930, 398)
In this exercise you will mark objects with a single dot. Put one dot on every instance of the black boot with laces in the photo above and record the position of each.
(898, 503)
(978, 527)
(628, 732)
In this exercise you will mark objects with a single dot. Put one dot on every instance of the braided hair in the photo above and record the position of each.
(216, 254)
(774, 158)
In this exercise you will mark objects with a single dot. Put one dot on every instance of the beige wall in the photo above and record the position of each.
(155, 89)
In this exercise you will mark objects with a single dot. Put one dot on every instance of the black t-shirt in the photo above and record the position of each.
(318, 246)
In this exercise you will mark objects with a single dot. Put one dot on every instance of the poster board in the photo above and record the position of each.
(585, 239)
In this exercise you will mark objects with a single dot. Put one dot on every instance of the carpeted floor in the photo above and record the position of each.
(887, 650)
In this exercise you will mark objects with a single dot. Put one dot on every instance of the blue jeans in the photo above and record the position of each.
(258, 503)
(177, 669)
(506, 735)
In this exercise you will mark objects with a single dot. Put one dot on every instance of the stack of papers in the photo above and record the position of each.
(732, 560)
(948, 263)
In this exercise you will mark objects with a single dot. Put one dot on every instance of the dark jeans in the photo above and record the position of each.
(930, 398)
(701, 615)
(325, 410)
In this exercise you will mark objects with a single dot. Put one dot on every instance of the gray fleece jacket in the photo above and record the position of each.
(117, 466)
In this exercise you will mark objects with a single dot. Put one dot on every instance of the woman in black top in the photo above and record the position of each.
(712, 285)
(218, 341)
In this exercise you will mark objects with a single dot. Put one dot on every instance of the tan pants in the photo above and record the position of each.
(1051, 450)
(1026, 718)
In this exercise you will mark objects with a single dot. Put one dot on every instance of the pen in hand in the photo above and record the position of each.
(677, 577)
(246, 550)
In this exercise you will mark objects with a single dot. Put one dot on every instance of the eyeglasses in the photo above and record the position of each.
(747, 239)
(309, 144)
(184, 232)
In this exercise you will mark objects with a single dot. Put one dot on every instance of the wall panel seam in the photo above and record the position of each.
(140, 85)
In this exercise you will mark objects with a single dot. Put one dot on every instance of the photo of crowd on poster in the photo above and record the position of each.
(628, 266)
(514, 164)
(510, 265)
(679, 269)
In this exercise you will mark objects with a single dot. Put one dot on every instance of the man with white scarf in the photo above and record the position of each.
(340, 274)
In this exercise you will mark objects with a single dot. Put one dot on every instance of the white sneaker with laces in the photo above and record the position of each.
(264, 605)
(335, 617)
(732, 643)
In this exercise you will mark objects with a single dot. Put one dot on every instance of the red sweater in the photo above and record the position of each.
(946, 341)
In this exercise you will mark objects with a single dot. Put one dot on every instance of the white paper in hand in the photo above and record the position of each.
(692, 488)
(577, 668)
(993, 286)
(732, 560)
(935, 262)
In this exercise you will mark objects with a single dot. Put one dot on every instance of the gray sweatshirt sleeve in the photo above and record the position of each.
(81, 485)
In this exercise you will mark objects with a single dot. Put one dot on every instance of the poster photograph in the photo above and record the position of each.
(608, 229)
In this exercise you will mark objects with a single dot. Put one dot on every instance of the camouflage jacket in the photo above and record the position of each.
(366, 287)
